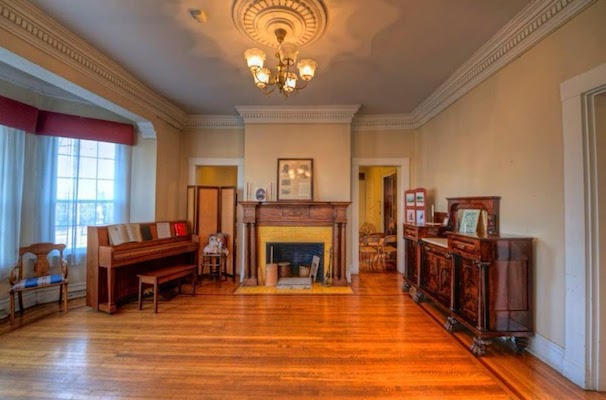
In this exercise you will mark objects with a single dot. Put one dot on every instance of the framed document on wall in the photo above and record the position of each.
(295, 179)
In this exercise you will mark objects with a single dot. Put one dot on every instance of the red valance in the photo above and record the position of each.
(18, 115)
(71, 126)
(22, 116)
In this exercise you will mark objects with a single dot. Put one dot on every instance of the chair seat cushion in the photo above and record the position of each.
(38, 282)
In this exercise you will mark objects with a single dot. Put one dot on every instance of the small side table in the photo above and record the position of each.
(216, 263)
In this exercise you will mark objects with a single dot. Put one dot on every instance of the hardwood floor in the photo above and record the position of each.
(376, 343)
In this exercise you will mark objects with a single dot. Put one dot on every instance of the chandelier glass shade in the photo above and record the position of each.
(283, 76)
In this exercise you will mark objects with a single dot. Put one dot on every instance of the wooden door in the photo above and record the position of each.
(389, 204)
(212, 209)
(208, 212)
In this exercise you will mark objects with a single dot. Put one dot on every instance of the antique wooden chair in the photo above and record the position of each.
(389, 251)
(369, 249)
(23, 279)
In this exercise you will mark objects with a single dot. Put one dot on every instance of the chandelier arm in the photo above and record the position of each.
(302, 87)
(268, 92)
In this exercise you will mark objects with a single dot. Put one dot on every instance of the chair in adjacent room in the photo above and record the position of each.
(33, 272)
(389, 251)
(369, 249)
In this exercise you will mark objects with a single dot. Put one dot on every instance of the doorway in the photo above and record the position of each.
(584, 357)
(377, 189)
(377, 215)
(222, 172)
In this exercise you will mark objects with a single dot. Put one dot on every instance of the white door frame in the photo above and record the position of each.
(403, 171)
(580, 361)
(224, 162)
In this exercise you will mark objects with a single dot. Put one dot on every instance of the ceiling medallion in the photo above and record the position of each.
(270, 22)
(303, 21)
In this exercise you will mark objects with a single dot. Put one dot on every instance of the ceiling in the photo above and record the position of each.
(387, 55)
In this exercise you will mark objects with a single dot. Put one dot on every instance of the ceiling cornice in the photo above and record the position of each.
(339, 114)
(214, 121)
(380, 122)
(28, 23)
(527, 28)
(533, 23)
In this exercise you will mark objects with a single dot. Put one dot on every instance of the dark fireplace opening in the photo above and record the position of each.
(297, 254)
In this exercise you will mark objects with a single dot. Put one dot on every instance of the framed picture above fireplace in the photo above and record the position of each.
(295, 179)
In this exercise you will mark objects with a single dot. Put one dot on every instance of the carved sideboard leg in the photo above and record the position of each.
(478, 347)
(521, 343)
(417, 296)
(406, 287)
(451, 324)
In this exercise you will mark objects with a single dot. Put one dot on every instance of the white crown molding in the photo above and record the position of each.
(146, 129)
(214, 121)
(381, 122)
(28, 23)
(339, 114)
(532, 24)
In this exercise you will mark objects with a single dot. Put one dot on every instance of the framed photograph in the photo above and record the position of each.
(410, 198)
(260, 194)
(420, 217)
(469, 221)
(410, 216)
(295, 179)
(420, 198)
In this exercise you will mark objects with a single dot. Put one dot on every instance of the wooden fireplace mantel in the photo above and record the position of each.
(300, 214)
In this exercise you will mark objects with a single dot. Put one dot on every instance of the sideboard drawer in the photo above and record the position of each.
(466, 247)
(410, 233)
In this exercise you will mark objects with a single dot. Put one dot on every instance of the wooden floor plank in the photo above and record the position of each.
(376, 343)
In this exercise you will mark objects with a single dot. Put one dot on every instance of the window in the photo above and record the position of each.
(86, 189)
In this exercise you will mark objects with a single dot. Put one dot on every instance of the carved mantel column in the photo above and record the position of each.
(250, 243)
(297, 214)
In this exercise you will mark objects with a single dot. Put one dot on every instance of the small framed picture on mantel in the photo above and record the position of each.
(295, 179)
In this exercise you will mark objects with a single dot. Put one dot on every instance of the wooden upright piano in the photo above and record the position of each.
(112, 270)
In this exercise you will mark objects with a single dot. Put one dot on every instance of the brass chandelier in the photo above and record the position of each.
(283, 77)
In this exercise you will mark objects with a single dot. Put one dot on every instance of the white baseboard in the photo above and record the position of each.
(555, 356)
(42, 296)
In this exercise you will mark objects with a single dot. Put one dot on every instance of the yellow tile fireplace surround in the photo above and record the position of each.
(294, 222)
(291, 234)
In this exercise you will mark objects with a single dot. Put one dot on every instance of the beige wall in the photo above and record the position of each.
(170, 194)
(505, 138)
(327, 144)
(387, 144)
(208, 143)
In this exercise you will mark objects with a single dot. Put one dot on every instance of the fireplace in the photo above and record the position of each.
(296, 254)
(294, 222)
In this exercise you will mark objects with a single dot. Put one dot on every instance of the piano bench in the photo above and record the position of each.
(159, 276)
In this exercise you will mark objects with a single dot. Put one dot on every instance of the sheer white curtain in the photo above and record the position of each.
(12, 161)
(52, 188)
(40, 188)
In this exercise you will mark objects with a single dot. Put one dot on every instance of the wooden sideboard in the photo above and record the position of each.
(482, 281)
